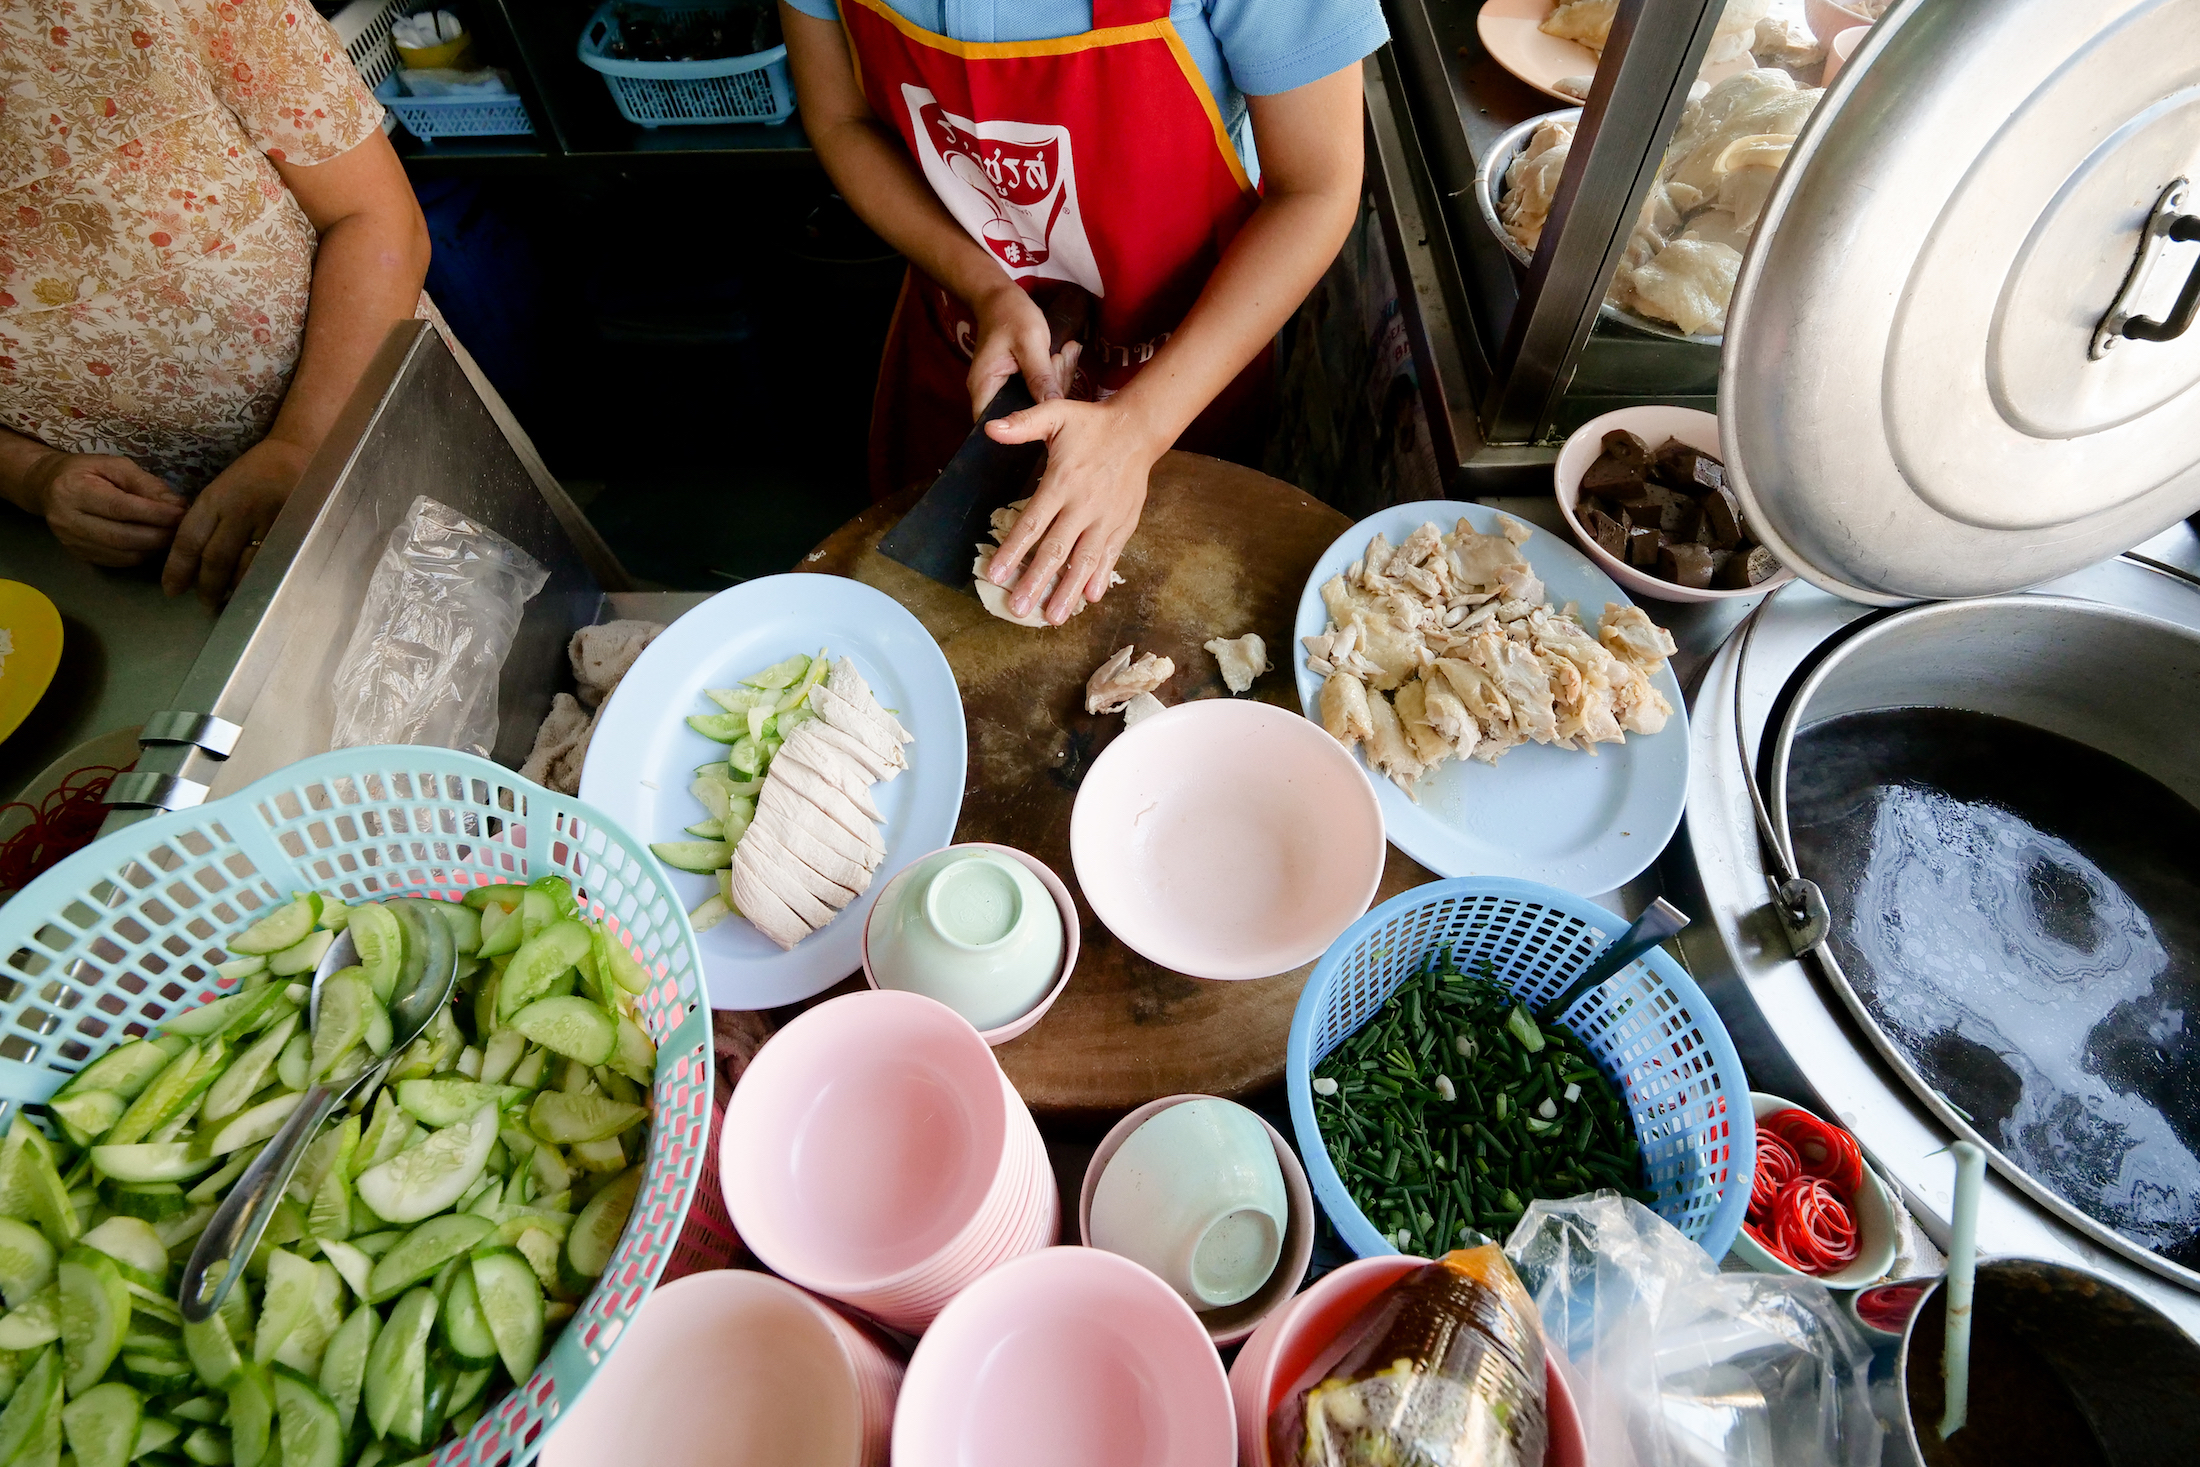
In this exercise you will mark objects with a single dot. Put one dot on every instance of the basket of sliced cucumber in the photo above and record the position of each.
(461, 1247)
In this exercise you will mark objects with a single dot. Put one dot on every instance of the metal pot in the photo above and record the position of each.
(2116, 680)
(2133, 1374)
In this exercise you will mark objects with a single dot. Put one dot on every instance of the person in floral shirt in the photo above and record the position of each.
(204, 238)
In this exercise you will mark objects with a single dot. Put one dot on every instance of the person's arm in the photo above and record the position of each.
(869, 165)
(366, 278)
(103, 508)
(1099, 454)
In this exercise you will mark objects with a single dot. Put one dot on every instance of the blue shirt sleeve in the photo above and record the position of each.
(821, 9)
(1272, 46)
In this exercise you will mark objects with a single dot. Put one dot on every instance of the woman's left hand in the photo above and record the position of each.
(215, 543)
(1086, 506)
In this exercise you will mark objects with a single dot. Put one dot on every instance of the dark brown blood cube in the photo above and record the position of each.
(1745, 568)
(1626, 447)
(1680, 518)
(1609, 534)
(1610, 475)
(1685, 565)
(1690, 470)
(1722, 517)
(1643, 544)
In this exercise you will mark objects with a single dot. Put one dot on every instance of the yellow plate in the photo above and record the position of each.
(29, 622)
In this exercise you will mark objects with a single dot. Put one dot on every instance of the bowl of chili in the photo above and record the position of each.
(1815, 1209)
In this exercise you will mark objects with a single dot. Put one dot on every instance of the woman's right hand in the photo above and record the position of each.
(103, 508)
(1013, 337)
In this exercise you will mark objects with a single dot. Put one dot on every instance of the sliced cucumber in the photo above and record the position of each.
(528, 1073)
(156, 1375)
(151, 1161)
(291, 1065)
(720, 728)
(427, 1179)
(620, 966)
(511, 1305)
(710, 912)
(281, 928)
(251, 1414)
(34, 1411)
(200, 1410)
(500, 1055)
(126, 1069)
(501, 894)
(214, 1354)
(446, 1102)
(563, 1119)
(380, 1032)
(596, 1230)
(341, 1019)
(705, 830)
(244, 1077)
(699, 856)
(502, 930)
(302, 956)
(132, 1243)
(159, 1100)
(395, 1384)
(26, 1262)
(329, 1152)
(353, 1265)
(636, 1054)
(290, 1285)
(95, 1314)
(424, 1250)
(34, 1322)
(154, 1434)
(208, 1447)
(465, 925)
(740, 700)
(536, 911)
(380, 939)
(102, 1424)
(573, 1027)
(344, 1363)
(87, 1115)
(311, 1432)
(465, 1329)
(256, 1123)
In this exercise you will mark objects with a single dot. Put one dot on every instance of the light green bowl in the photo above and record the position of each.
(978, 929)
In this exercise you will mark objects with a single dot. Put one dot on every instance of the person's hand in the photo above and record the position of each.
(1013, 337)
(103, 508)
(1086, 506)
(216, 541)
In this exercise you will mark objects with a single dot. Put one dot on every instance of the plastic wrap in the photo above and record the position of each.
(1442, 1369)
(439, 617)
(1676, 1364)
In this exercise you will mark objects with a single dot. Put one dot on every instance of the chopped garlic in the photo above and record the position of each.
(1325, 1086)
(1573, 1093)
(1445, 1088)
(1547, 1109)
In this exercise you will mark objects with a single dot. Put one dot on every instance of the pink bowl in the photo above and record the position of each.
(1228, 1325)
(1069, 1357)
(864, 1141)
(1827, 19)
(1072, 929)
(735, 1369)
(1290, 1339)
(1227, 839)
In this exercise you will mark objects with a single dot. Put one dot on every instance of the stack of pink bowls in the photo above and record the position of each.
(875, 1153)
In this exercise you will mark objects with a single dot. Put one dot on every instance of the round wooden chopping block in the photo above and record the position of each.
(1220, 551)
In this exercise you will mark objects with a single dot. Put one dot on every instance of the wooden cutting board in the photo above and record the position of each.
(1220, 551)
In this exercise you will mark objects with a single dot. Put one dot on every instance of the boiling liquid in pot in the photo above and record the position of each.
(2021, 915)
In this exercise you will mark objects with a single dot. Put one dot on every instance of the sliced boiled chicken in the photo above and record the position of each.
(783, 861)
(765, 911)
(880, 768)
(776, 877)
(828, 861)
(779, 801)
(834, 767)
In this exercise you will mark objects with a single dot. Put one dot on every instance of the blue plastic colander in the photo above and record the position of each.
(1651, 1031)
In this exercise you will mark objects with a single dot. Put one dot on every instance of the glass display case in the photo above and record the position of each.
(1569, 189)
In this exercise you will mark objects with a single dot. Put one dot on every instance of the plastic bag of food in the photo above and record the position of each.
(1443, 1368)
(1673, 1363)
(439, 617)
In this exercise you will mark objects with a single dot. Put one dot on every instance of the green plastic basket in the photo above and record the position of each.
(126, 932)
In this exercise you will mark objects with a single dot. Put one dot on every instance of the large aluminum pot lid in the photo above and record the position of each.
(1910, 406)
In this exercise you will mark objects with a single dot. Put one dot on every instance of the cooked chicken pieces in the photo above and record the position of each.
(1457, 630)
(1141, 708)
(814, 842)
(1241, 658)
(995, 598)
(1118, 680)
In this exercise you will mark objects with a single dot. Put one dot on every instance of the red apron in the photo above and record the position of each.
(1099, 160)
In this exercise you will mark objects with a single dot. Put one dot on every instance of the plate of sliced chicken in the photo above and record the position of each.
(1512, 707)
(784, 749)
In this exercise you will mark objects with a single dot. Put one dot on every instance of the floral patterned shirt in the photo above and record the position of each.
(154, 270)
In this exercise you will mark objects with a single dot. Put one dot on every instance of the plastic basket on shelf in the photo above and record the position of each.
(429, 118)
(1651, 1031)
(753, 88)
(126, 932)
(363, 28)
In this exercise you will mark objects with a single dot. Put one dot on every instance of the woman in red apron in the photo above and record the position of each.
(1088, 180)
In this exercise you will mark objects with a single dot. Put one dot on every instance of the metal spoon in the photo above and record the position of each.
(423, 989)
(1660, 920)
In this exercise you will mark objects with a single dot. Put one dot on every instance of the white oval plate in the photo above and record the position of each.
(643, 755)
(1541, 813)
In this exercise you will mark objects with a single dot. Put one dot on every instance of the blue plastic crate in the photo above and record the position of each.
(754, 88)
(429, 118)
(1650, 1029)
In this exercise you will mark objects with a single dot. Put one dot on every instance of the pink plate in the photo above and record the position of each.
(1227, 839)
(1070, 1357)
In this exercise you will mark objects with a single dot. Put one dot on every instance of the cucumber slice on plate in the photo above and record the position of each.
(26, 1262)
(310, 1430)
(284, 927)
(102, 1425)
(573, 1027)
(95, 1314)
(396, 1378)
(465, 1329)
(429, 1178)
(701, 857)
(596, 1231)
(510, 1300)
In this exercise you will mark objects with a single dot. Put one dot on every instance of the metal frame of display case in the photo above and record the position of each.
(1515, 362)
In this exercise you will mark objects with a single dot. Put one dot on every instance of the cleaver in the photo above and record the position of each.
(940, 534)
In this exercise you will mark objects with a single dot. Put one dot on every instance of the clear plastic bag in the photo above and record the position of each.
(1676, 1364)
(439, 617)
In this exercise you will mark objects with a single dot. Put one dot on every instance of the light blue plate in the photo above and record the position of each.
(1582, 824)
(643, 755)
